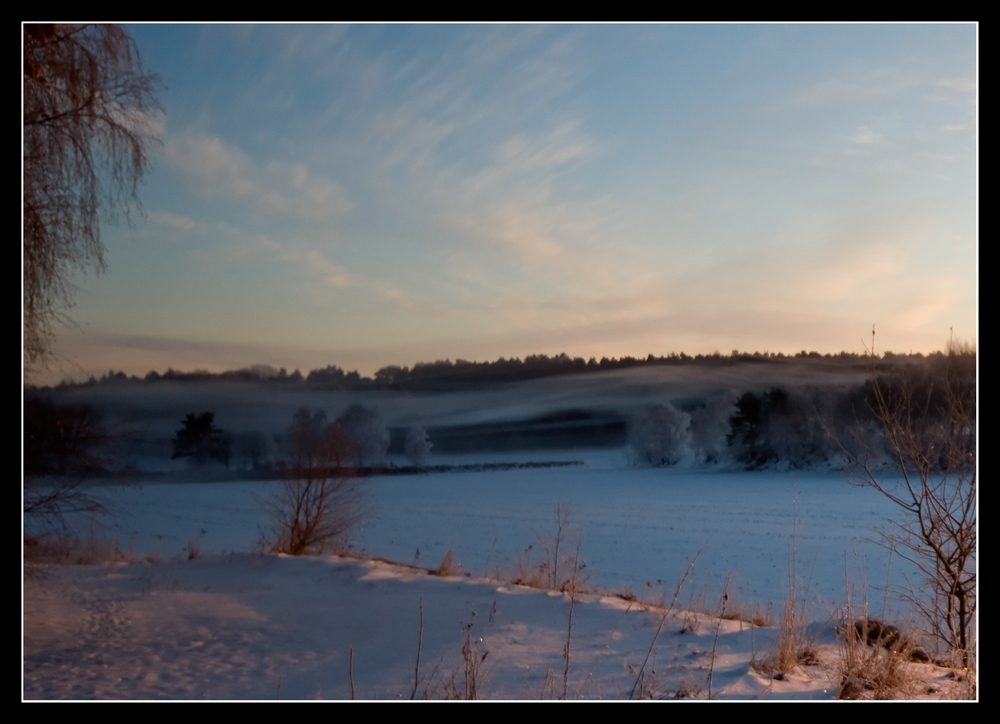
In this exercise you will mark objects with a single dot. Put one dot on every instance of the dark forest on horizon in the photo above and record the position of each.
(445, 373)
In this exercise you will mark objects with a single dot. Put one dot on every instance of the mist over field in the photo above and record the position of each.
(609, 398)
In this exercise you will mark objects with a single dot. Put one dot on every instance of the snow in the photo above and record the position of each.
(195, 612)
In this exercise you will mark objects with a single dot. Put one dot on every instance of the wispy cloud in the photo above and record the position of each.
(216, 169)
(174, 222)
(330, 276)
(866, 135)
(245, 247)
(410, 302)
(857, 85)
(331, 273)
(249, 246)
(962, 85)
(532, 186)
(510, 229)
(554, 149)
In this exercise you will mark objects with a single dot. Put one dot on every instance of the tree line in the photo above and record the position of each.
(752, 429)
(445, 373)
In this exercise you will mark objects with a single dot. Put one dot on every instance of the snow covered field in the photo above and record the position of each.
(232, 624)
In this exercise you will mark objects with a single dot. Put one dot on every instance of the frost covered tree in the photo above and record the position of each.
(417, 445)
(367, 431)
(659, 436)
(781, 426)
(795, 430)
(710, 425)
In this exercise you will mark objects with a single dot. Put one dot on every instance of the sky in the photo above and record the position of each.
(389, 194)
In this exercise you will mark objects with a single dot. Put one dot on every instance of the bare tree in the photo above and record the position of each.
(63, 448)
(88, 121)
(62, 440)
(318, 503)
(928, 419)
(252, 450)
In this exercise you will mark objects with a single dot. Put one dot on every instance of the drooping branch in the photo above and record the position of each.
(89, 110)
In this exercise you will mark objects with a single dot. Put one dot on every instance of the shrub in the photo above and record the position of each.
(318, 503)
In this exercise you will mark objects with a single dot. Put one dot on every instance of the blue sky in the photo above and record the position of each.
(374, 195)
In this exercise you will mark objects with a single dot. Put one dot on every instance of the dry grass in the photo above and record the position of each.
(756, 615)
(965, 680)
(448, 566)
(561, 569)
(528, 572)
(473, 673)
(640, 676)
(793, 647)
(872, 671)
(193, 549)
(68, 550)
(875, 657)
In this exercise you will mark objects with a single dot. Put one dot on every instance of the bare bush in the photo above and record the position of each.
(318, 503)
(928, 420)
